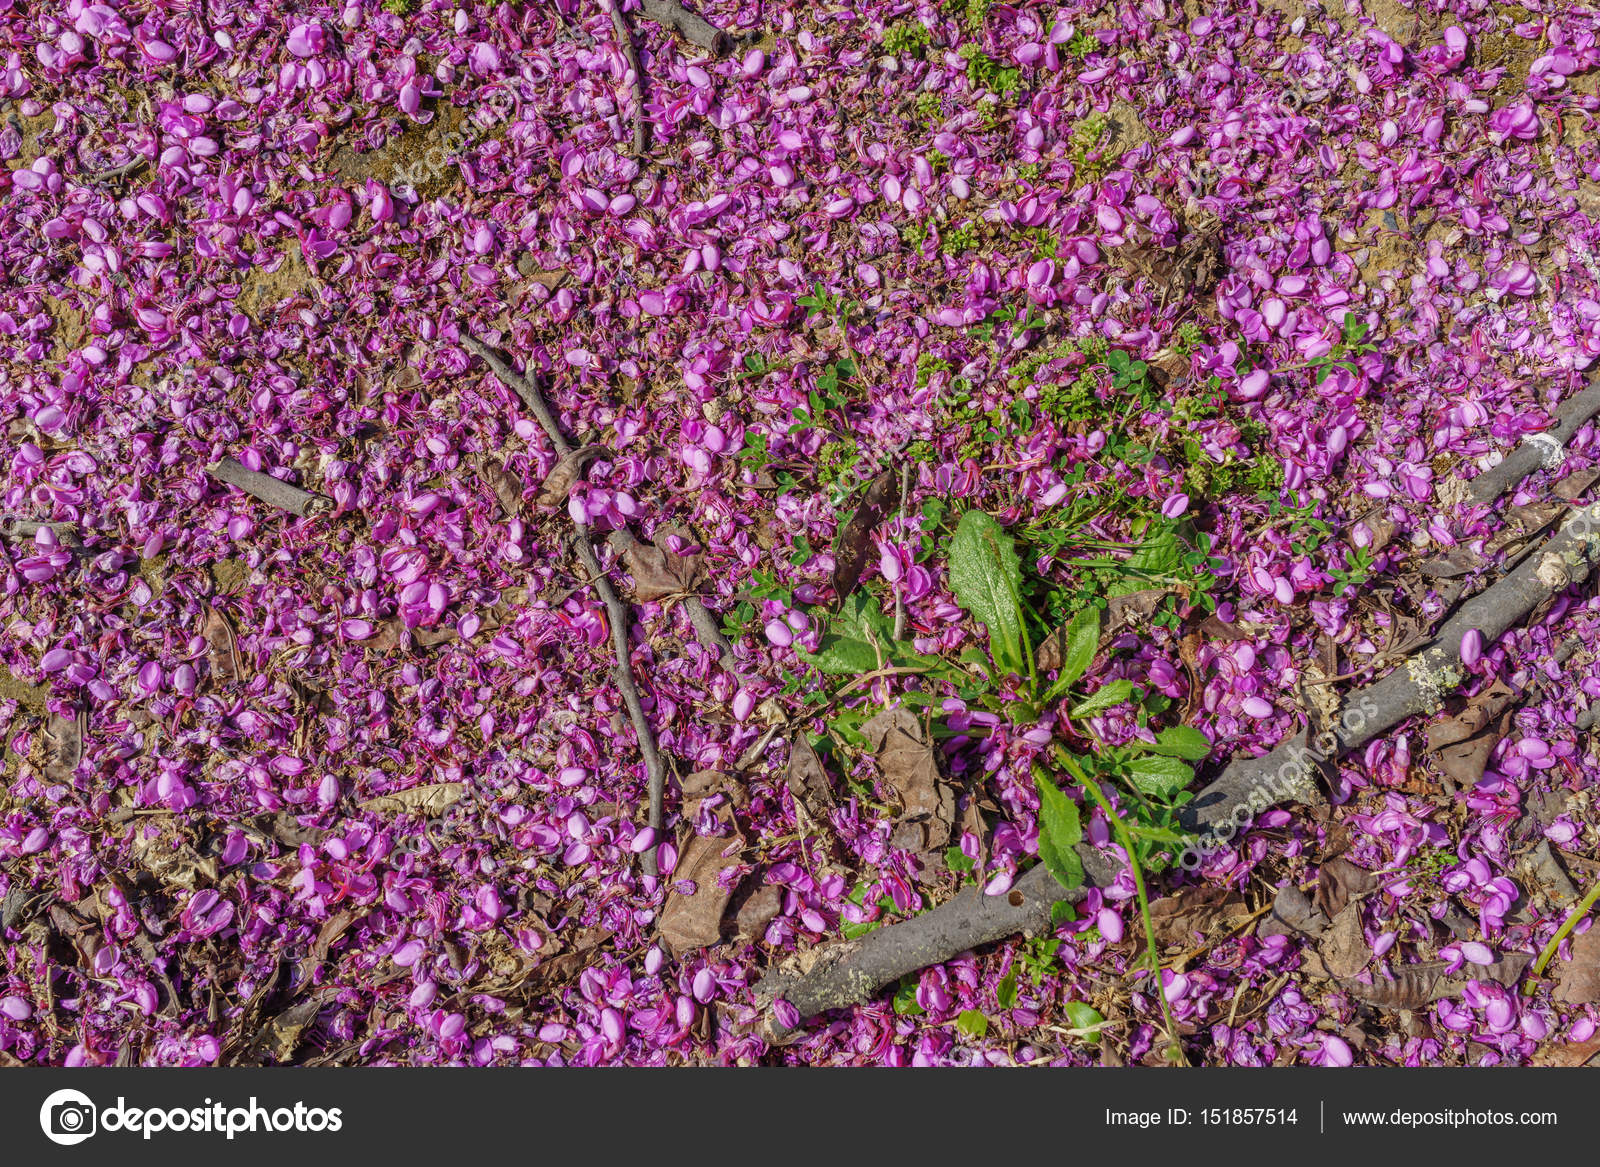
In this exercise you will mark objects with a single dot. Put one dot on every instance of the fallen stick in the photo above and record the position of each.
(1543, 449)
(641, 128)
(700, 617)
(710, 634)
(269, 490)
(849, 972)
(1567, 557)
(671, 15)
(617, 611)
(15, 527)
(136, 163)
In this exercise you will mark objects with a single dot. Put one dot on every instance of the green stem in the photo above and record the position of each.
(1567, 925)
(1125, 837)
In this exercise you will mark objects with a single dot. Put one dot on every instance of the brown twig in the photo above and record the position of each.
(705, 624)
(1538, 449)
(617, 611)
(641, 127)
(16, 527)
(270, 490)
(671, 15)
(136, 163)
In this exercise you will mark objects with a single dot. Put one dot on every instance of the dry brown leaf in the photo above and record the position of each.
(1215, 629)
(1574, 485)
(659, 572)
(909, 765)
(1195, 911)
(704, 783)
(1339, 881)
(558, 484)
(695, 920)
(1416, 985)
(429, 801)
(1546, 870)
(1568, 1056)
(332, 928)
(758, 910)
(1344, 949)
(435, 636)
(807, 778)
(1383, 530)
(85, 936)
(283, 827)
(855, 545)
(1477, 715)
(559, 969)
(1130, 610)
(160, 850)
(1293, 911)
(507, 488)
(222, 650)
(1466, 761)
(1412, 987)
(1578, 983)
(281, 1036)
(248, 1023)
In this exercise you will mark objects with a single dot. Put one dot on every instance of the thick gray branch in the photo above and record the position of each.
(270, 490)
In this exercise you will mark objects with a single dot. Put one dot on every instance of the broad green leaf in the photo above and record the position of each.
(1158, 776)
(986, 576)
(1113, 693)
(972, 1023)
(1159, 555)
(1005, 993)
(974, 657)
(856, 635)
(1062, 912)
(841, 655)
(1182, 741)
(1059, 833)
(1083, 637)
(905, 1001)
(1084, 1016)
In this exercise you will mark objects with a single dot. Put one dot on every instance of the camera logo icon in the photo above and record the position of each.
(67, 1117)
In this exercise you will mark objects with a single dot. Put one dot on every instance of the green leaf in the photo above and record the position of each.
(972, 1023)
(1082, 637)
(1062, 912)
(1114, 693)
(1084, 1016)
(841, 655)
(1154, 834)
(1182, 741)
(1158, 776)
(1059, 832)
(1005, 993)
(855, 634)
(957, 860)
(986, 576)
(905, 1001)
(1160, 555)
